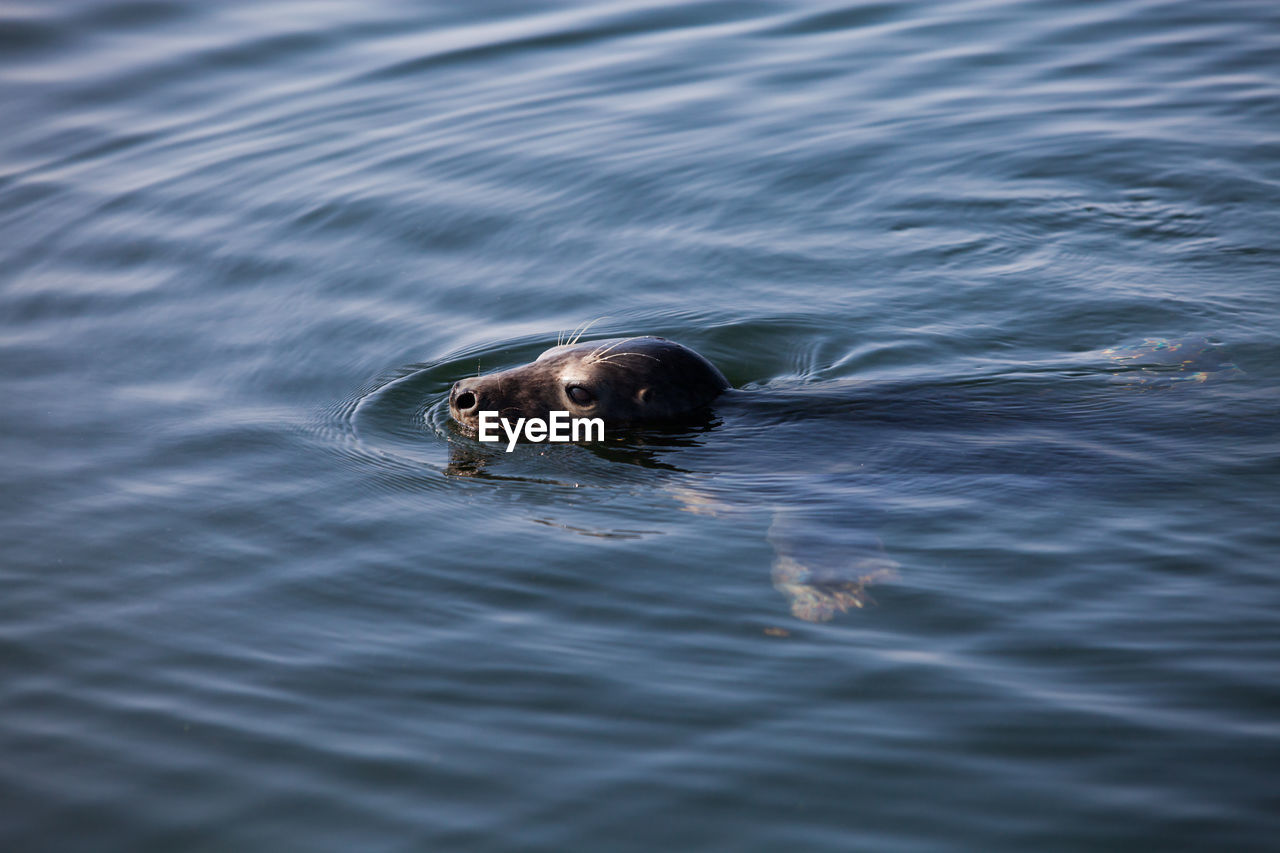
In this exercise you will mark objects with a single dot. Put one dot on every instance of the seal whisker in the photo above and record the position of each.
(601, 350)
(583, 331)
(611, 356)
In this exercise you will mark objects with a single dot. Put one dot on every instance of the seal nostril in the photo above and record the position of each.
(465, 400)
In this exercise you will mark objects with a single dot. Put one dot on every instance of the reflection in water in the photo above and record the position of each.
(643, 448)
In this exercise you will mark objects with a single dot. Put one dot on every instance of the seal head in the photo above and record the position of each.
(625, 381)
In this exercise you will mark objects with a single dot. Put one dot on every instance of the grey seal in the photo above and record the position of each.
(628, 382)
(822, 568)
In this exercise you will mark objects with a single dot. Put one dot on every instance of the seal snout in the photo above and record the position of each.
(464, 402)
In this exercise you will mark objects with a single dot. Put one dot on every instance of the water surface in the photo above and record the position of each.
(258, 595)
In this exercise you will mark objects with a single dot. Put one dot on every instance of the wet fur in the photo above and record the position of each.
(633, 382)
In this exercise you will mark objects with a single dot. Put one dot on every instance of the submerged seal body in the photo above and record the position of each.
(825, 558)
(624, 381)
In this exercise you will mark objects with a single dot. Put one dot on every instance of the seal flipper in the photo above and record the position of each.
(828, 569)
(818, 600)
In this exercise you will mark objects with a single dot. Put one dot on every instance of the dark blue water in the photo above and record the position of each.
(256, 594)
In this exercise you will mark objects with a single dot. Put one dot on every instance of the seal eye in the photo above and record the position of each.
(580, 395)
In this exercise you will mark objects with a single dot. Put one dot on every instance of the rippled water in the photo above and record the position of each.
(258, 595)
